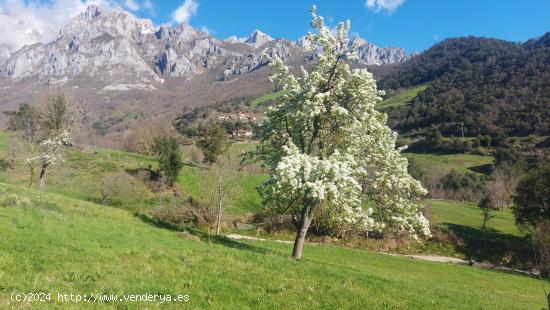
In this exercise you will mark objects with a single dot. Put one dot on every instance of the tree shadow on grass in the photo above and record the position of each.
(157, 223)
(146, 174)
(483, 169)
(495, 247)
(202, 235)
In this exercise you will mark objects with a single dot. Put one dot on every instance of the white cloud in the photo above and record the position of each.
(386, 5)
(185, 11)
(131, 5)
(148, 5)
(24, 22)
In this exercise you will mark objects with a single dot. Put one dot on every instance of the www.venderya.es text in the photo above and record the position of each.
(46, 297)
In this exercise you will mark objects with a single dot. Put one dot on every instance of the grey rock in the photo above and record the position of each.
(370, 54)
(258, 38)
(113, 47)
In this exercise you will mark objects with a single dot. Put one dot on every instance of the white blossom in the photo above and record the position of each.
(325, 142)
(49, 151)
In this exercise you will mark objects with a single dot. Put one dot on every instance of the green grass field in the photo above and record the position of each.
(440, 164)
(59, 241)
(451, 212)
(58, 244)
(460, 226)
(402, 98)
(269, 96)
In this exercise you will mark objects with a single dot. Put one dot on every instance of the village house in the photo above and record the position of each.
(241, 133)
(237, 116)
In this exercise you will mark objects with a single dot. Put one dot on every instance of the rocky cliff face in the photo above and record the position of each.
(115, 47)
(93, 44)
(255, 60)
(370, 54)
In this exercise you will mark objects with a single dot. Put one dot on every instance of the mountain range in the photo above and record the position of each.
(114, 46)
(118, 63)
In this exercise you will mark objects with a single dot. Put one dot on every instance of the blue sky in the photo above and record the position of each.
(411, 24)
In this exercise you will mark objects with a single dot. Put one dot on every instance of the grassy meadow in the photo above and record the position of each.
(441, 164)
(266, 97)
(62, 241)
(402, 98)
(54, 243)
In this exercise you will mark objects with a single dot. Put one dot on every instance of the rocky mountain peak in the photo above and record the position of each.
(258, 38)
(91, 12)
(116, 22)
(234, 39)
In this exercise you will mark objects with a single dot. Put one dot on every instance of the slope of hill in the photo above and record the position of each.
(402, 98)
(495, 87)
(85, 174)
(103, 249)
(92, 249)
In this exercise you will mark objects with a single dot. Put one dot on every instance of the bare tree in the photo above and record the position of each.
(497, 192)
(111, 185)
(509, 178)
(151, 130)
(217, 184)
(56, 113)
(502, 187)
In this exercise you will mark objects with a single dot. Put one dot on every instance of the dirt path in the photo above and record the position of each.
(429, 258)
(241, 237)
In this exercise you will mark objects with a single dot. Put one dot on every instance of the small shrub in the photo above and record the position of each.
(9, 202)
(188, 211)
(172, 214)
(5, 164)
(12, 200)
(117, 188)
(458, 186)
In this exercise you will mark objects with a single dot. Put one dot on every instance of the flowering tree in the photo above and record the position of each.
(50, 154)
(59, 117)
(327, 147)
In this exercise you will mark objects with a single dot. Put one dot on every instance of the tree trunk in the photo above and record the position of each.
(31, 179)
(175, 190)
(301, 233)
(220, 205)
(219, 218)
(42, 182)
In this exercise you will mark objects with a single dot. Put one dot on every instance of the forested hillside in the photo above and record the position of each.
(494, 87)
